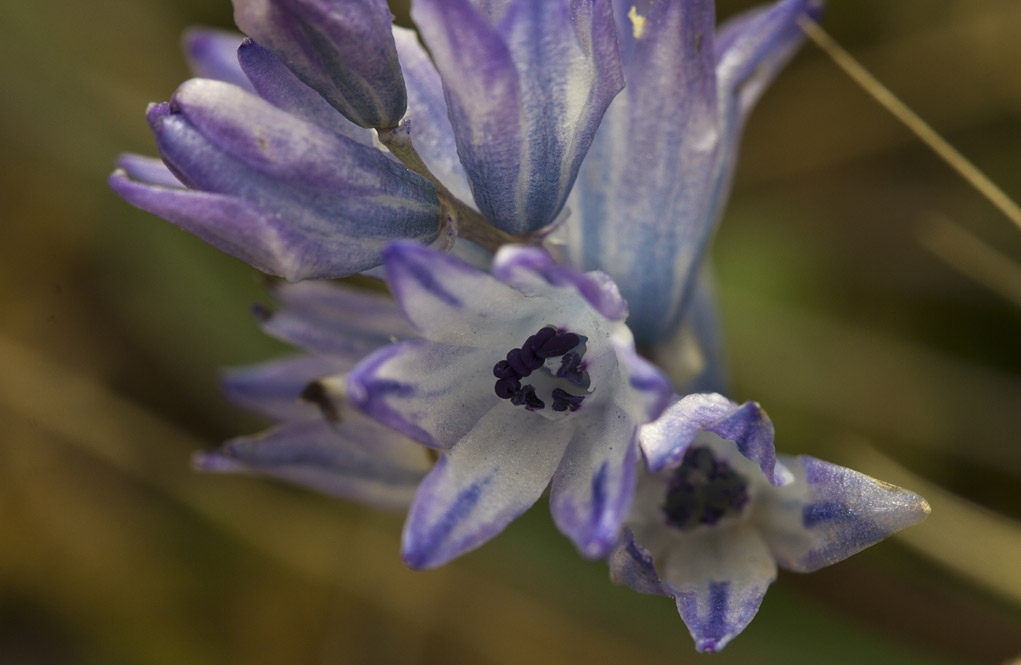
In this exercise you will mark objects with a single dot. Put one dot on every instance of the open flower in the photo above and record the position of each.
(720, 511)
(327, 446)
(654, 181)
(523, 376)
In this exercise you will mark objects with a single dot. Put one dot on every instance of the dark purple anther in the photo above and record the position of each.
(539, 338)
(526, 397)
(548, 342)
(528, 358)
(570, 368)
(558, 345)
(517, 363)
(565, 401)
(503, 370)
(506, 388)
(703, 490)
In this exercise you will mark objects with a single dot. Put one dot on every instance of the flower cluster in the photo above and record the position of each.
(536, 192)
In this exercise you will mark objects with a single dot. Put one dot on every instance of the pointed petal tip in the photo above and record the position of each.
(155, 112)
(215, 461)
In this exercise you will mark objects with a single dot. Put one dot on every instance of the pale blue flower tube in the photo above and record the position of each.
(652, 186)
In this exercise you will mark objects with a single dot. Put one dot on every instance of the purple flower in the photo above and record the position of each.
(524, 376)
(657, 174)
(322, 443)
(342, 49)
(526, 82)
(286, 195)
(719, 511)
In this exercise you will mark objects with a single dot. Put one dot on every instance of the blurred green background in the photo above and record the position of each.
(848, 311)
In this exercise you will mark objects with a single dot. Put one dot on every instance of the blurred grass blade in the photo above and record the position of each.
(971, 173)
(971, 257)
(973, 542)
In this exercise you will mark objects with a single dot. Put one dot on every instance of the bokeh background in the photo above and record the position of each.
(846, 267)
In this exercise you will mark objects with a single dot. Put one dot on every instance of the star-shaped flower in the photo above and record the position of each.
(719, 511)
(325, 445)
(524, 376)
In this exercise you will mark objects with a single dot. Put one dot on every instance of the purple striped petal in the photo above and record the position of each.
(432, 393)
(531, 271)
(493, 475)
(750, 429)
(317, 204)
(343, 49)
(336, 320)
(593, 486)
(718, 578)
(274, 388)
(279, 86)
(233, 226)
(527, 83)
(449, 301)
(632, 565)
(357, 459)
(148, 170)
(650, 392)
(665, 440)
(213, 54)
(830, 512)
(751, 49)
(641, 206)
(427, 115)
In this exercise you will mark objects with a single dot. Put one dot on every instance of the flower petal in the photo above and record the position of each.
(336, 320)
(433, 393)
(640, 208)
(279, 86)
(213, 54)
(231, 225)
(148, 170)
(665, 440)
(343, 49)
(594, 484)
(449, 301)
(718, 578)
(532, 271)
(830, 512)
(333, 204)
(526, 90)
(750, 429)
(632, 565)
(431, 132)
(752, 48)
(356, 460)
(479, 486)
(693, 356)
(649, 390)
(274, 388)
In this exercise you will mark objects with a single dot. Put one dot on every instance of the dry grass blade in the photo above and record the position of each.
(971, 257)
(974, 542)
(971, 173)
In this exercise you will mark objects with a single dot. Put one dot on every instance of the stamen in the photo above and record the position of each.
(703, 490)
(565, 401)
(570, 368)
(548, 342)
(527, 398)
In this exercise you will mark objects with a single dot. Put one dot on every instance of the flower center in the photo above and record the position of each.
(551, 360)
(703, 490)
